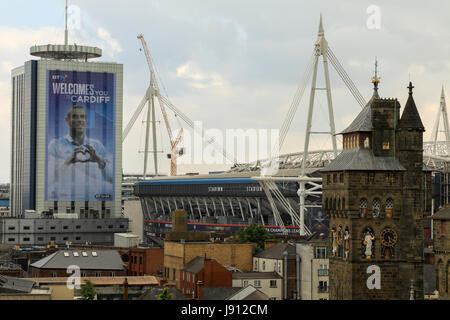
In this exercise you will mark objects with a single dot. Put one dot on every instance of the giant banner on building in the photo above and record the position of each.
(80, 136)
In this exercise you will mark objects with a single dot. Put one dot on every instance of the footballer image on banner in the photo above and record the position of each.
(80, 136)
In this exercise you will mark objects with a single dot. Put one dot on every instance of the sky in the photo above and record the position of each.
(237, 64)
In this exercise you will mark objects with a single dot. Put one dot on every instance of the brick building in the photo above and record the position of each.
(202, 273)
(138, 261)
(92, 263)
(10, 269)
(376, 193)
(178, 254)
(441, 248)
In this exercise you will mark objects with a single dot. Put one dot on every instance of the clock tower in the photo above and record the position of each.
(375, 193)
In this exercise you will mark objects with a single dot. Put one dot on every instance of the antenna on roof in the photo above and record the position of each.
(66, 32)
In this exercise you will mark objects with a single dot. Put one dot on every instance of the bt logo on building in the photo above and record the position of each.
(60, 77)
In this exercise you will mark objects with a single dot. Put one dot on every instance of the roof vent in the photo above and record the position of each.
(84, 254)
(94, 254)
(66, 254)
(75, 254)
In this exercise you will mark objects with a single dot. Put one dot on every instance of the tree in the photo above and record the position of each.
(165, 295)
(88, 291)
(254, 233)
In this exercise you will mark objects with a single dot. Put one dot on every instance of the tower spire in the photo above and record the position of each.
(375, 80)
(410, 87)
(321, 32)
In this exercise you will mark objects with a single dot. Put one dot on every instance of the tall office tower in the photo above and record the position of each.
(67, 134)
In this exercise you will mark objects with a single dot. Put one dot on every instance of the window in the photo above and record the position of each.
(66, 238)
(11, 228)
(341, 178)
(66, 227)
(264, 265)
(323, 286)
(40, 238)
(110, 226)
(84, 254)
(363, 207)
(77, 238)
(328, 178)
(122, 226)
(389, 207)
(98, 274)
(273, 283)
(40, 228)
(26, 239)
(323, 270)
(255, 268)
(334, 177)
(52, 238)
(245, 283)
(279, 266)
(11, 239)
(94, 254)
(99, 227)
(385, 145)
(257, 284)
(83, 274)
(174, 273)
(77, 227)
(376, 207)
(26, 228)
(66, 254)
(135, 259)
(320, 253)
(140, 260)
(52, 227)
(76, 254)
(442, 228)
(54, 274)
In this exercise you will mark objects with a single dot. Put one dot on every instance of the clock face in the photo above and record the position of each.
(388, 237)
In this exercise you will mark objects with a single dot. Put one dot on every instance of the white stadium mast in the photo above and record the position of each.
(321, 48)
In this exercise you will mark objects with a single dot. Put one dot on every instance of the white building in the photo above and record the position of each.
(270, 283)
(314, 280)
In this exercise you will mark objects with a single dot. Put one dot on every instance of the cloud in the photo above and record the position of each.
(199, 80)
(108, 42)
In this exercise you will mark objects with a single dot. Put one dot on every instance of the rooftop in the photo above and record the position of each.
(85, 259)
(105, 281)
(361, 159)
(276, 251)
(255, 275)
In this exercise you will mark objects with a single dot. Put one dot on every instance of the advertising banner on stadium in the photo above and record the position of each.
(80, 137)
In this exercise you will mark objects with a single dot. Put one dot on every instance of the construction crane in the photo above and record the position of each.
(173, 142)
(152, 91)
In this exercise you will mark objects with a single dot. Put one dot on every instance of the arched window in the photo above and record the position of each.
(376, 207)
(363, 207)
(389, 208)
